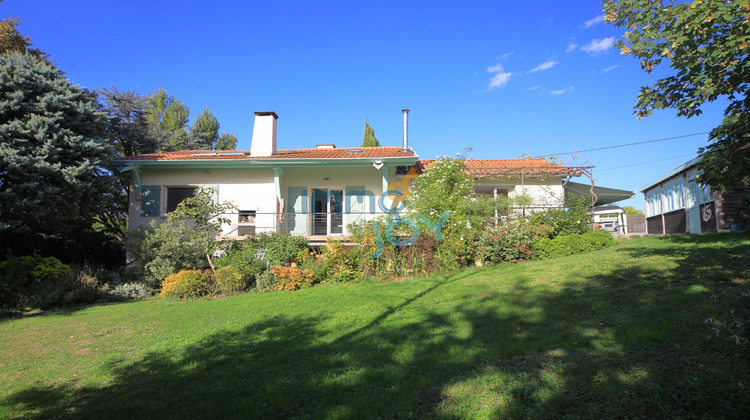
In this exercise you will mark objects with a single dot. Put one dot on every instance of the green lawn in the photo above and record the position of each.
(616, 333)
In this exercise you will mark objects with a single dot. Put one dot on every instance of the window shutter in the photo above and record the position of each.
(150, 201)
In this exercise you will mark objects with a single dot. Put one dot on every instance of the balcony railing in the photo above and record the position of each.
(322, 224)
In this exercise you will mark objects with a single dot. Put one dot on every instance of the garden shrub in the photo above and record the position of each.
(265, 281)
(229, 280)
(316, 263)
(185, 284)
(340, 261)
(243, 257)
(572, 244)
(130, 291)
(279, 248)
(165, 248)
(34, 282)
(505, 243)
(292, 278)
(576, 219)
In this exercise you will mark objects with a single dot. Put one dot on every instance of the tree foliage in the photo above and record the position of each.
(130, 133)
(226, 141)
(205, 131)
(169, 119)
(12, 40)
(369, 139)
(206, 215)
(707, 43)
(54, 149)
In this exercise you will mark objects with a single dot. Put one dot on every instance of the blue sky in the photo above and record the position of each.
(505, 78)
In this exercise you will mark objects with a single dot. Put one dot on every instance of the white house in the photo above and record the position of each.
(313, 192)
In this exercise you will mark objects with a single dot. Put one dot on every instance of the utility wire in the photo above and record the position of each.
(644, 163)
(625, 145)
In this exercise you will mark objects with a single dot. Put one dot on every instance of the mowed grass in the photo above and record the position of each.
(616, 333)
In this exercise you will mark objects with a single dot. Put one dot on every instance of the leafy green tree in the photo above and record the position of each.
(53, 150)
(12, 40)
(130, 134)
(205, 131)
(226, 141)
(707, 43)
(206, 215)
(128, 128)
(169, 118)
(369, 139)
(632, 210)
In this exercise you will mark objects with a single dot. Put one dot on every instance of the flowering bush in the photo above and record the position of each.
(186, 283)
(291, 278)
(242, 257)
(505, 243)
(230, 280)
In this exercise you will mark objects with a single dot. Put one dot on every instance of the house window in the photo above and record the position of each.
(175, 195)
(246, 222)
(493, 191)
(673, 195)
(653, 202)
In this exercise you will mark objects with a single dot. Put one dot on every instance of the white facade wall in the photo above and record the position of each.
(254, 190)
(248, 188)
(544, 193)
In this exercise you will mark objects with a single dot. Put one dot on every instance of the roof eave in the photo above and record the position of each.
(264, 163)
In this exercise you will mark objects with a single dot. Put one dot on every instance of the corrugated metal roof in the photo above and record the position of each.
(671, 174)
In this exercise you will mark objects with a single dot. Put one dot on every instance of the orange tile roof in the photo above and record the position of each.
(322, 153)
(506, 167)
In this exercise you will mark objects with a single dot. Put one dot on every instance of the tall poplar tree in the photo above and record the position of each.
(369, 139)
(53, 151)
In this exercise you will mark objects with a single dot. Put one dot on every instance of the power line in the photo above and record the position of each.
(625, 145)
(644, 163)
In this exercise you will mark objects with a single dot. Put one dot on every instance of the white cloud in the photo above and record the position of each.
(500, 78)
(571, 47)
(610, 68)
(496, 68)
(599, 45)
(535, 87)
(595, 21)
(561, 91)
(544, 66)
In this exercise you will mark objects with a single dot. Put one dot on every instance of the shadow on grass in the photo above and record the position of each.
(625, 342)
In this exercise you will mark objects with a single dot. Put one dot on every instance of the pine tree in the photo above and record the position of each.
(226, 141)
(205, 131)
(168, 117)
(53, 150)
(369, 139)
